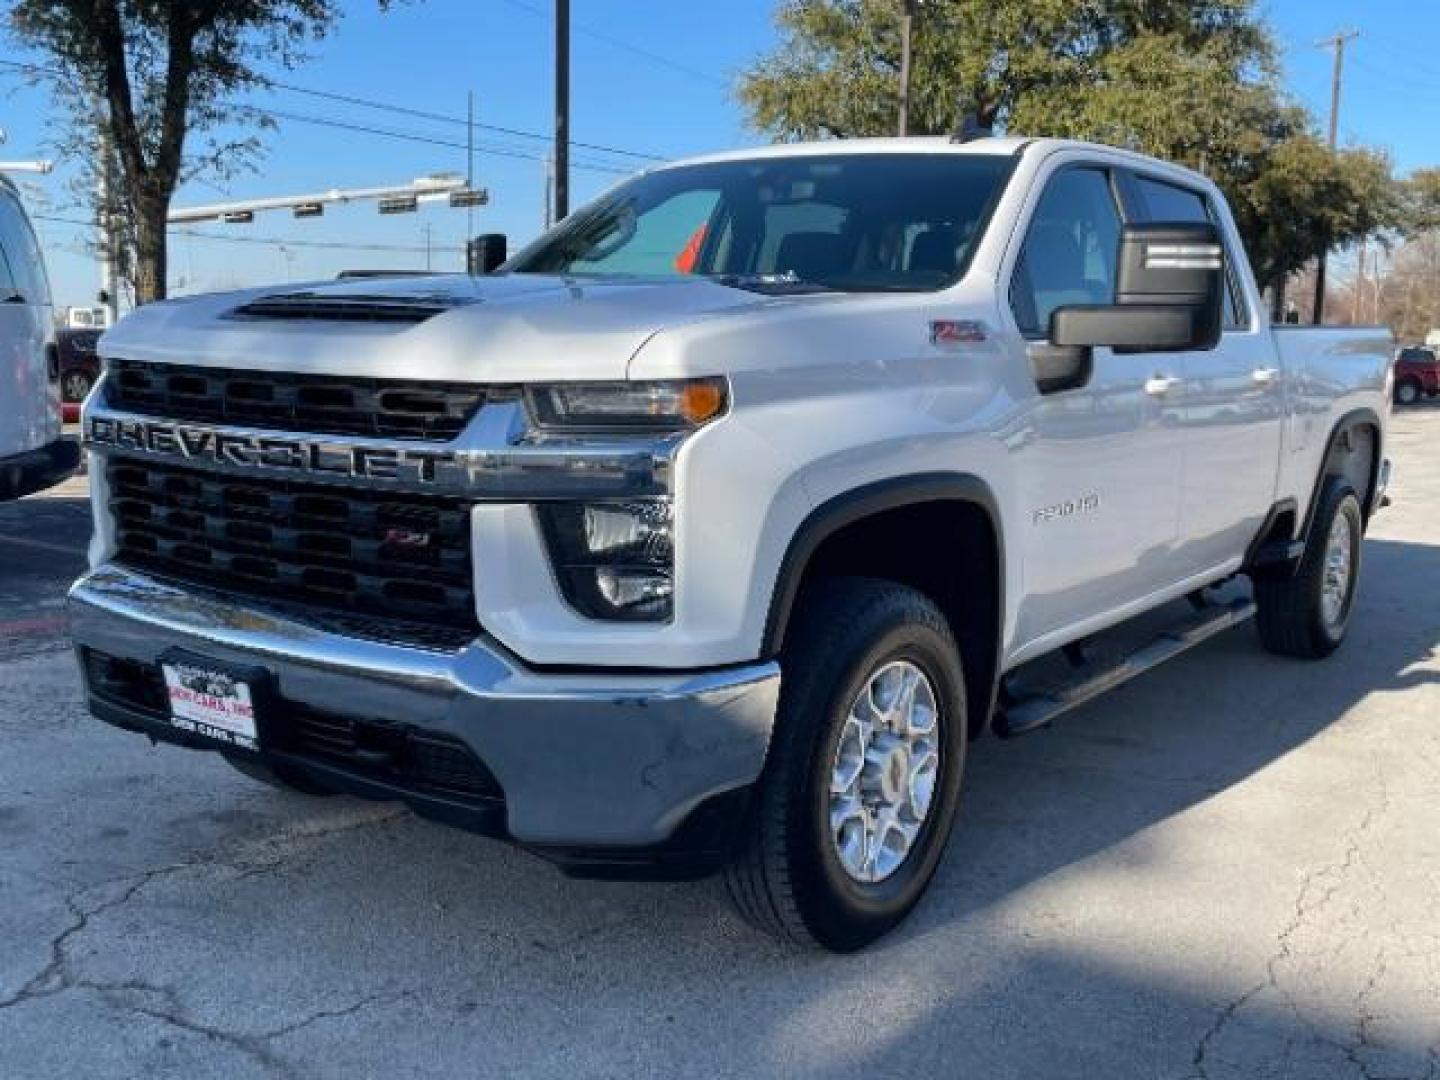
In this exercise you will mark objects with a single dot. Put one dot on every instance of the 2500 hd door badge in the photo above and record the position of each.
(1086, 504)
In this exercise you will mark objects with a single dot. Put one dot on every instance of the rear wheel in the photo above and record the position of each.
(1306, 614)
(860, 791)
(1407, 391)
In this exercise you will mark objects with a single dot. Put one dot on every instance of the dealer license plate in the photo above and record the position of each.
(211, 703)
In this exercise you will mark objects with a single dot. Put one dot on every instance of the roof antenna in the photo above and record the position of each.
(970, 127)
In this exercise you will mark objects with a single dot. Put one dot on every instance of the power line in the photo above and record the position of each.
(198, 234)
(403, 110)
(619, 43)
(429, 140)
(441, 118)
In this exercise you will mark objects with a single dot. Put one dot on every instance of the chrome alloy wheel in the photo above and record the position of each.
(1335, 587)
(887, 764)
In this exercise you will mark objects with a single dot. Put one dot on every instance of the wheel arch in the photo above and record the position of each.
(973, 600)
(1338, 461)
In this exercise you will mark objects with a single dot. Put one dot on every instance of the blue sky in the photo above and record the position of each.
(649, 76)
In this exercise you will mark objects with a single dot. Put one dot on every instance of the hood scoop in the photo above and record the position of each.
(351, 307)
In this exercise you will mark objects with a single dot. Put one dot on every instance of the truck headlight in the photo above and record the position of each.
(613, 560)
(666, 405)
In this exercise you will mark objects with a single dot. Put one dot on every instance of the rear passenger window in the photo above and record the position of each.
(1070, 250)
(1167, 202)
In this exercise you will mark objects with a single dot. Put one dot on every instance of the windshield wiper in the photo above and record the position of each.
(786, 284)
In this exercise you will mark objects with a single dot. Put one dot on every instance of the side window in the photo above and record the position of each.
(8, 284)
(7, 280)
(1070, 250)
(22, 251)
(1167, 202)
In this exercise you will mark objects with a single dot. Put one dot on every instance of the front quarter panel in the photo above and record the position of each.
(829, 394)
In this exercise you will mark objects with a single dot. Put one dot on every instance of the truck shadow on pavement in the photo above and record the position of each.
(1012, 966)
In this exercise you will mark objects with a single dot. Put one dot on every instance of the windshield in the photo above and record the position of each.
(849, 222)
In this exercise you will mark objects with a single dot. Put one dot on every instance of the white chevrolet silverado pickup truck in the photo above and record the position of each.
(708, 531)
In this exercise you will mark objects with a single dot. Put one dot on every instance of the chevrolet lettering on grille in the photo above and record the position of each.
(280, 452)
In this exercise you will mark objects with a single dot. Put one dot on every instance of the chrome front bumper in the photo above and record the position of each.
(586, 760)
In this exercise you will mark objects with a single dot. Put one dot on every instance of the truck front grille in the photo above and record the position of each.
(352, 551)
(281, 401)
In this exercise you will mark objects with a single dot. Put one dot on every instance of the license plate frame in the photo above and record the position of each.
(225, 706)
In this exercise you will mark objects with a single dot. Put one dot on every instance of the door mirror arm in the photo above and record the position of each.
(1059, 367)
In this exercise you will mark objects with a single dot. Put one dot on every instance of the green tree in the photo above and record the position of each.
(1420, 195)
(1192, 81)
(159, 72)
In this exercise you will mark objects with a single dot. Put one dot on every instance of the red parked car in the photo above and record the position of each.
(1417, 375)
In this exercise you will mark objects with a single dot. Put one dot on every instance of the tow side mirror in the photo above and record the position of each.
(1169, 295)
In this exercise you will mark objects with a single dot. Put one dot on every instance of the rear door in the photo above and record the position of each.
(1231, 406)
(29, 400)
(1098, 465)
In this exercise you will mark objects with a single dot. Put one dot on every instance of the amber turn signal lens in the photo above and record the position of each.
(702, 400)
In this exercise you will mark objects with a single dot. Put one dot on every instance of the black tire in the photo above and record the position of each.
(276, 776)
(1408, 392)
(1290, 610)
(787, 879)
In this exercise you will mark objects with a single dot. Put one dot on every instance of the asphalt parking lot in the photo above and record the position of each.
(1230, 868)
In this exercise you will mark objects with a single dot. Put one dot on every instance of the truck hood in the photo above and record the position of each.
(505, 328)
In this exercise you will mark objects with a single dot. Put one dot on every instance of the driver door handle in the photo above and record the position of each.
(1160, 385)
(1265, 376)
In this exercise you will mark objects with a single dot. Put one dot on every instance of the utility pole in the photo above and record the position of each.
(907, 31)
(1338, 44)
(470, 162)
(548, 210)
(562, 109)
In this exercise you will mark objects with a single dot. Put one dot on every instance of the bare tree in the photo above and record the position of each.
(153, 75)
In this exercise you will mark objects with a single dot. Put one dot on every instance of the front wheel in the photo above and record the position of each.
(1306, 614)
(1407, 392)
(860, 791)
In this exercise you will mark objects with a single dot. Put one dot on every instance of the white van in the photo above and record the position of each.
(33, 455)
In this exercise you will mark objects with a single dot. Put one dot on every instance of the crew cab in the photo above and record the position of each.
(708, 532)
(33, 453)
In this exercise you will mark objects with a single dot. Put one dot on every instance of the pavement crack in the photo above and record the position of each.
(55, 976)
(335, 1014)
(1225, 1015)
(172, 1012)
(1304, 909)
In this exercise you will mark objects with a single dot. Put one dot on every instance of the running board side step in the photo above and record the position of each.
(1024, 714)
